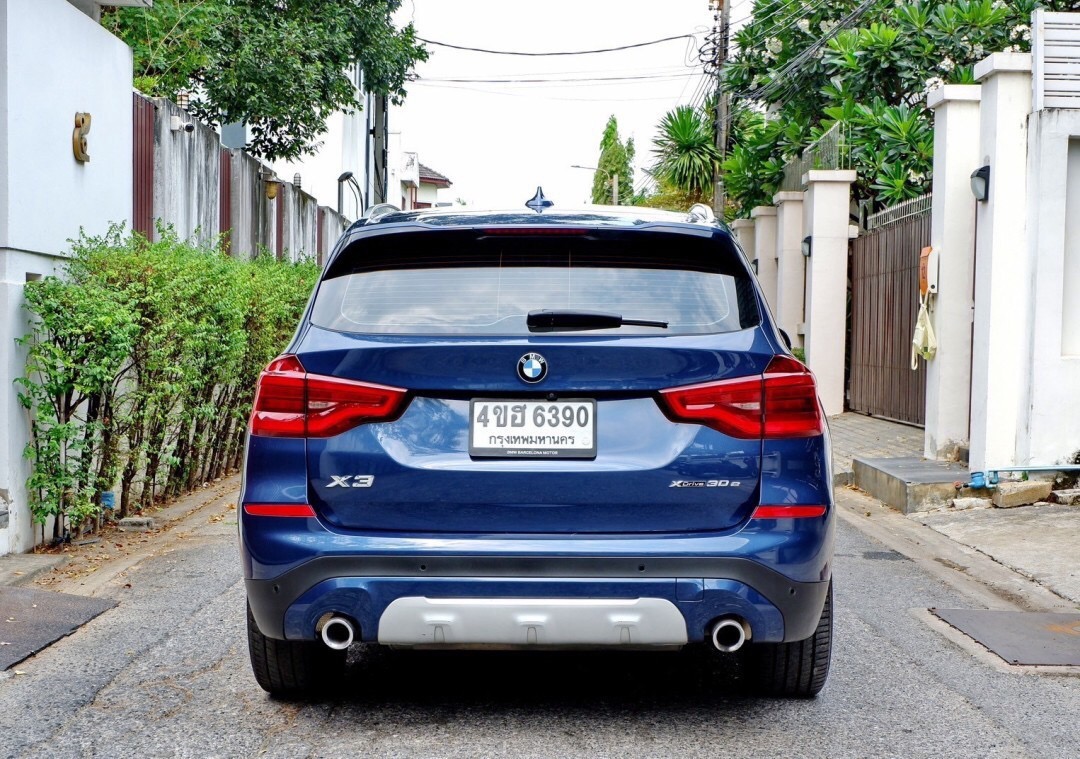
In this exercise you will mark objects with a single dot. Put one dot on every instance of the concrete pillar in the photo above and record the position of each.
(948, 375)
(1002, 285)
(744, 233)
(790, 265)
(765, 250)
(826, 212)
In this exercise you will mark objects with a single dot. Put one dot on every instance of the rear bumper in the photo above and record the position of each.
(701, 589)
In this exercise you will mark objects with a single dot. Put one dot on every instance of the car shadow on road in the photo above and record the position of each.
(563, 680)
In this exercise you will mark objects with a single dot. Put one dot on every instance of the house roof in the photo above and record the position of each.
(430, 176)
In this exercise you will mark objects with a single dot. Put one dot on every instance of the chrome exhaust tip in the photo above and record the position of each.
(729, 634)
(337, 633)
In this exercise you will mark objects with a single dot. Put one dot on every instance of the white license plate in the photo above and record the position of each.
(533, 429)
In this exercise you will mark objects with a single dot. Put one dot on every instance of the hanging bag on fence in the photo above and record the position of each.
(923, 342)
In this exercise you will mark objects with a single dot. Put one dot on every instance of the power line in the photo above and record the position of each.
(561, 52)
(559, 81)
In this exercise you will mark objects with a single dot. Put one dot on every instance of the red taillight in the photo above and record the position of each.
(289, 402)
(279, 510)
(791, 402)
(787, 512)
(781, 403)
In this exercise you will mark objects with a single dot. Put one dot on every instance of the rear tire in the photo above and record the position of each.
(291, 668)
(794, 670)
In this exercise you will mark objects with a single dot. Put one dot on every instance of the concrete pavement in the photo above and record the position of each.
(1041, 542)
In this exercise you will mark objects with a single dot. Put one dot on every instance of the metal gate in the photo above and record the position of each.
(884, 304)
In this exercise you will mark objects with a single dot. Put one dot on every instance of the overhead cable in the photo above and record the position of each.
(560, 52)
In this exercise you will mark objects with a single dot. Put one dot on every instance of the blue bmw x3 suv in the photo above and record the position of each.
(538, 430)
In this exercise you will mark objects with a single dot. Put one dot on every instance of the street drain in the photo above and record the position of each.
(1021, 637)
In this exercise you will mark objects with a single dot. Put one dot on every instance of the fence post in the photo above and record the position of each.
(790, 264)
(764, 252)
(827, 211)
(1002, 278)
(952, 235)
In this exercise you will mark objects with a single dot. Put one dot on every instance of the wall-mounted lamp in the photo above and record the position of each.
(183, 99)
(296, 180)
(270, 183)
(807, 246)
(980, 184)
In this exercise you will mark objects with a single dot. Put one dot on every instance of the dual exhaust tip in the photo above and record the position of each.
(337, 632)
(729, 634)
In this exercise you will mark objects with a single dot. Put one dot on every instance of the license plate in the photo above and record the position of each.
(533, 429)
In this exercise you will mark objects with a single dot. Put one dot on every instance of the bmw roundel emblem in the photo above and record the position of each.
(532, 367)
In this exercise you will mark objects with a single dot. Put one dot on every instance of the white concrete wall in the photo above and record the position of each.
(826, 209)
(1002, 278)
(187, 174)
(54, 61)
(1048, 431)
(952, 235)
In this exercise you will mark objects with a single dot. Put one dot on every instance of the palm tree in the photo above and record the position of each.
(686, 154)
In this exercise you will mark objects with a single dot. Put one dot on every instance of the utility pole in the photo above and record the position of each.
(723, 18)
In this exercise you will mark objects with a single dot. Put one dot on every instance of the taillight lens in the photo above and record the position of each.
(289, 402)
(781, 403)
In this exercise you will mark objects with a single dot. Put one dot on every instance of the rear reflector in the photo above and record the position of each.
(289, 402)
(787, 512)
(781, 403)
(279, 510)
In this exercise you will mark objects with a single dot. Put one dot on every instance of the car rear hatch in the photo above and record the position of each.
(433, 407)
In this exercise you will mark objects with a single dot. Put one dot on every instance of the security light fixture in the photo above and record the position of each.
(807, 246)
(980, 184)
(296, 180)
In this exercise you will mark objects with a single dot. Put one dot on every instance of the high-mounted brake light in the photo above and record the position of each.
(780, 403)
(289, 402)
(536, 231)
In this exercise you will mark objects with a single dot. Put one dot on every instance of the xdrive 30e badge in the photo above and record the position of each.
(532, 367)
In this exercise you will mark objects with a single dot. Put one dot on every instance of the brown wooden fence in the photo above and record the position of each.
(884, 304)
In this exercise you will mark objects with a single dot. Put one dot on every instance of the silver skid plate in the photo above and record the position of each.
(532, 622)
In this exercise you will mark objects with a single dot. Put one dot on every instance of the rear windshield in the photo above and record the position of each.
(476, 284)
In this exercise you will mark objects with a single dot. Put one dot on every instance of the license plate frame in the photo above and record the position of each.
(509, 442)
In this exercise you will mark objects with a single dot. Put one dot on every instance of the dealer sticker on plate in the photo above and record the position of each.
(533, 429)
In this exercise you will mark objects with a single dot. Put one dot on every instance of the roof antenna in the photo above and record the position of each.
(538, 202)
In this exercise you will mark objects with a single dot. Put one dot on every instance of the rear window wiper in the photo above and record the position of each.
(540, 321)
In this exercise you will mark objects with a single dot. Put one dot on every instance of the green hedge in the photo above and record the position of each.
(142, 361)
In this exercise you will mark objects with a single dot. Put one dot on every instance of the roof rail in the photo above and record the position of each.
(700, 213)
(376, 212)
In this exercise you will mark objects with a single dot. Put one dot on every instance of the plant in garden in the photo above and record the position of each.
(872, 78)
(685, 151)
(280, 67)
(142, 364)
(80, 339)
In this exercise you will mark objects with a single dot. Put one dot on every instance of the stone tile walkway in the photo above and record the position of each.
(869, 437)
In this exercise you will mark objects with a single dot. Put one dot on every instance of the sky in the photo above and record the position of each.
(498, 141)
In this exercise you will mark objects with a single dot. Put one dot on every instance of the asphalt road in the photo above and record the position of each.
(166, 674)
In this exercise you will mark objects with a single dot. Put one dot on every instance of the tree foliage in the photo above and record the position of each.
(616, 159)
(685, 151)
(280, 67)
(872, 78)
(141, 366)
